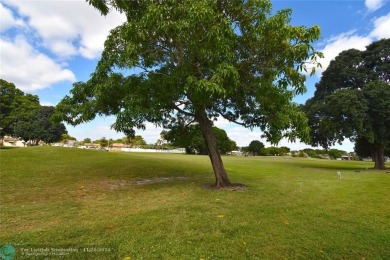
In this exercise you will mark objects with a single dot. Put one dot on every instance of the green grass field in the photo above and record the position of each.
(158, 206)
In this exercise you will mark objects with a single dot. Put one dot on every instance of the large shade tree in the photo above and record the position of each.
(255, 147)
(352, 100)
(178, 62)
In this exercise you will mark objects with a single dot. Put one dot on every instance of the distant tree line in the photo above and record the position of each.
(135, 141)
(257, 148)
(320, 153)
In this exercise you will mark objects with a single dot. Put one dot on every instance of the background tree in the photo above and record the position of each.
(311, 153)
(87, 141)
(273, 151)
(317, 153)
(15, 106)
(362, 147)
(103, 142)
(52, 131)
(336, 153)
(29, 129)
(255, 147)
(191, 139)
(66, 137)
(110, 142)
(22, 116)
(198, 61)
(188, 137)
(161, 143)
(224, 143)
(285, 150)
(36, 125)
(352, 100)
(137, 141)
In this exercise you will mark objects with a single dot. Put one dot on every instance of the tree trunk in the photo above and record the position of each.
(378, 156)
(221, 178)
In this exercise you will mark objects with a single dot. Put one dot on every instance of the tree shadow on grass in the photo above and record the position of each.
(341, 167)
(8, 147)
(232, 187)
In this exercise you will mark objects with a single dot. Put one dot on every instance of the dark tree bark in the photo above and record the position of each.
(221, 178)
(378, 156)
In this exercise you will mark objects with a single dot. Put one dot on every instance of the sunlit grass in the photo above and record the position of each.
(157, 206)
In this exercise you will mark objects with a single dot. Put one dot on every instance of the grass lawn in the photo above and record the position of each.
(112, 205)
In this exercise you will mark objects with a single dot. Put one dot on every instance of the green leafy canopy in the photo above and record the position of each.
(352, 100)
(172, 60)
(22, 116)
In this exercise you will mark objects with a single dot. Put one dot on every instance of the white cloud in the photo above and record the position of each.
(347, 146)
(68, 27)
(7, 19)
(151, 134)
(28, 69)
(243, 136)
(46, 103)
(223, 123)
(381, 27)
(95, 130)
(340, 43)
(350, 40)
(63, 48)
(373, 5)
(65, 28)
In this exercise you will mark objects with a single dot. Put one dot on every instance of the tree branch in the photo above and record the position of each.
(182, 111)
(232, 120)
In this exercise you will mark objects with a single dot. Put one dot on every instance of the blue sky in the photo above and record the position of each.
(46, 45)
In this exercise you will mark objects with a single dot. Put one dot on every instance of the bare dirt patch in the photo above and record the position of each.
(157, 180)
(110, 184)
